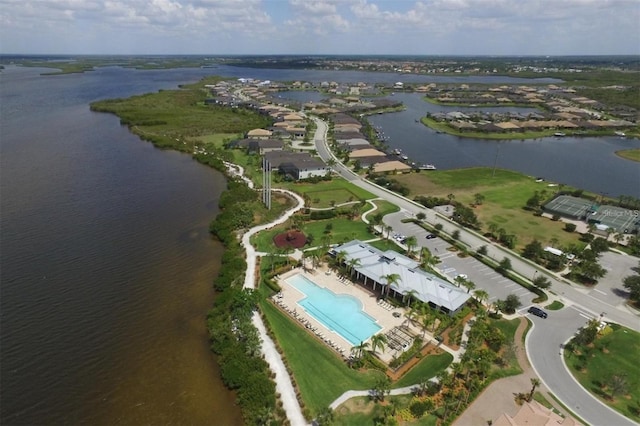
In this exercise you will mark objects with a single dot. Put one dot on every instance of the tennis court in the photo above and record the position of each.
(621, 220)
(573, 207)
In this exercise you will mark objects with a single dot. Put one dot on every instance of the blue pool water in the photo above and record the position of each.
(340, 313)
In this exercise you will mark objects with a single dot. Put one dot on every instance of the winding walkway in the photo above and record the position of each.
(284, 384)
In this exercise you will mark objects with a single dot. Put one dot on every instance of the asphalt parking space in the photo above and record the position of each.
(485, 278)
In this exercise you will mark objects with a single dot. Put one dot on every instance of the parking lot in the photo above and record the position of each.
(451, 265)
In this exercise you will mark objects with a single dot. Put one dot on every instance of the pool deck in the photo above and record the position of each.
(289, 297)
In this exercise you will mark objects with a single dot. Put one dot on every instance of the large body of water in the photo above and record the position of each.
(106, 263)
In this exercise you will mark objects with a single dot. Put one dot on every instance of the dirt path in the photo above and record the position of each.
(499, 396)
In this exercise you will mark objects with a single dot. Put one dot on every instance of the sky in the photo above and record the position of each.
(384, 27)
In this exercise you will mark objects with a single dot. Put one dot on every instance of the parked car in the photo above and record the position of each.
(431, 236)
(537, 312)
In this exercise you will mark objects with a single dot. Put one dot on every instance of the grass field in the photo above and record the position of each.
(323, 193)
(508, 327)
(343, 230)
(384, 208)
(613, 354)
(505, 195)
(427, 368)
(629, 154)
(320, 374)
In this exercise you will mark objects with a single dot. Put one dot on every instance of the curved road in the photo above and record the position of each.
(544, 347)
(544, 342)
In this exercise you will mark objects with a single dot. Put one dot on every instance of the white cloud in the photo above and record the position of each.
(326, 26)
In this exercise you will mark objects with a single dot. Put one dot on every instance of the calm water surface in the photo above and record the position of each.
(587, 163)
(106, 261)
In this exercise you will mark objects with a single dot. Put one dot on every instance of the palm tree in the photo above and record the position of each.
(470, 285)
(411, 243)
(426, 320)
(481, 295)
(391, 279)
(352, 263)
(413, 312)
(341, 256)
(378, 341)
(389, 229)
(360, 349)
(428, 260)
(534, 384)
(410, 294)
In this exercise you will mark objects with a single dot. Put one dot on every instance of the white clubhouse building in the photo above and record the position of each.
(372, 265)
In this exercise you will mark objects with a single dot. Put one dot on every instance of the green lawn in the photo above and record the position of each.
(505, 194)
(613, 354)
(555, 306)
(343, 230)
(427, 368)
(508, 327)
(320, 374)
(323, 193)
(384, 208)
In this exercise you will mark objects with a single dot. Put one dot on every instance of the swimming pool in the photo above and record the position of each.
(341, 313)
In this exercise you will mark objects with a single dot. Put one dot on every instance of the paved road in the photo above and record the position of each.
(543, 344)
(548, 334)
(615, 310)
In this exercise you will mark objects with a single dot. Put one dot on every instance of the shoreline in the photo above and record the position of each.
(632, 154)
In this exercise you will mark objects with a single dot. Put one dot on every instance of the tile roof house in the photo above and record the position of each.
(391, 166)
(259, 134)
(534, 414)
(367, 152)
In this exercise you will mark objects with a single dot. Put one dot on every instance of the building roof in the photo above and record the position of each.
(367, 152)
(390, 166)
(292, 117)
(375, 264)
(507, 125)
(299, 160)
(259, 132)
(534, 414)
